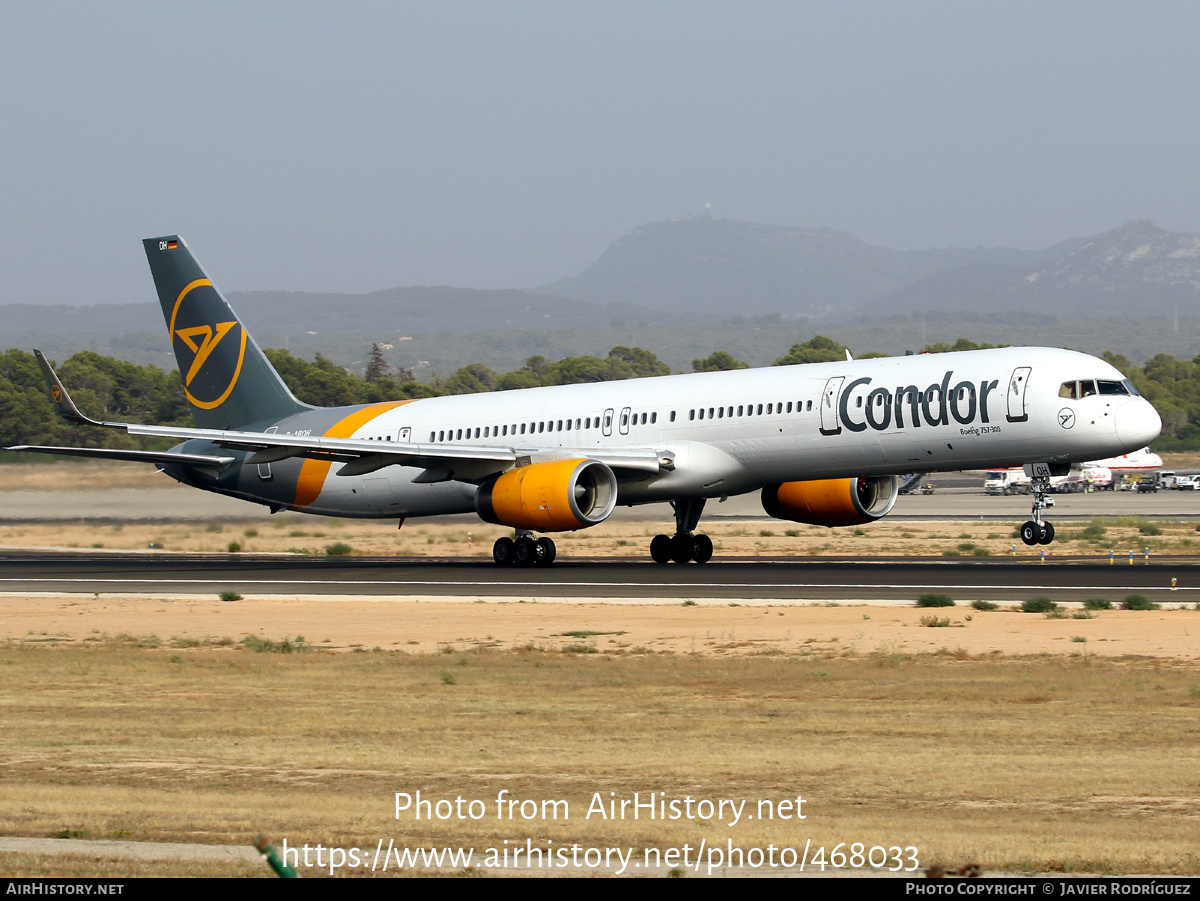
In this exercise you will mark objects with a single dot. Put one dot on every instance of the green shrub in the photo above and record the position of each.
(265, 645)
(340, 549)
(935, 600)
(1137, 602)
(1097, 604)
(985, 605)
(1149, 528)
(1038, 605)
(935, 622)
(235, 547)
(229, 596)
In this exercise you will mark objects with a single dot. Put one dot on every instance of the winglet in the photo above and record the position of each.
(62, 401)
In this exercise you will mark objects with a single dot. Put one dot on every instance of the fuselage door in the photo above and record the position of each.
(1017, 383)
(625, 421)
(829, 406)
(608, 417)
(405, 434)
(264, 469)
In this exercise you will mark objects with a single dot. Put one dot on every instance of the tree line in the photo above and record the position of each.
(107, 388)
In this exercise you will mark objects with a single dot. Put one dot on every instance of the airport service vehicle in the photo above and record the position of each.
(1007, 481)
(1187, 483)
(1103, 474)
(823, 443)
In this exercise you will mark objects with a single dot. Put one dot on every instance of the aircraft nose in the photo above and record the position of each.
(1138, 423)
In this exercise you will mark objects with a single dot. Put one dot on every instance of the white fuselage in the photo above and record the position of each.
(728, 433)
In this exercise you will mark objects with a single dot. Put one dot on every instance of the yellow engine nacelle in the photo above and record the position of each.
(832, 502)
(557, 496)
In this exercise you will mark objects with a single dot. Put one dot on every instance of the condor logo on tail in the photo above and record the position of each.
(216, 349)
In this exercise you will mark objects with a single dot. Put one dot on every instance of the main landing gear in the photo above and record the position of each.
(1035, 531)
(524, 551)
(684, 545)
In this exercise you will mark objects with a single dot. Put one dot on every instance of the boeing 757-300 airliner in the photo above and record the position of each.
(822, 442)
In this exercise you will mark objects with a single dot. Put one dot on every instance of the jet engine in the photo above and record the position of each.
(557, 496)
(832, 502)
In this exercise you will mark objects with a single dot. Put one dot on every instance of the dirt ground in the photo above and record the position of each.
(418, 625)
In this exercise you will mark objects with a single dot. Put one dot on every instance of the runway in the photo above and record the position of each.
(809, 579)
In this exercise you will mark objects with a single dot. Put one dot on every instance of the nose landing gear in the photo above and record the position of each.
(1035, 531)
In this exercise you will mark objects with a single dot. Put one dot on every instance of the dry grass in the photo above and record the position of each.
(292, 533)
(1059, 764)
(298, 534)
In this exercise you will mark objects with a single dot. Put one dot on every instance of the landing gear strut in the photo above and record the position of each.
(1035, 531)
(684, 545)
(525, 551)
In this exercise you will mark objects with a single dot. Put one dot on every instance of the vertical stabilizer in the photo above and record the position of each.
(228, 380)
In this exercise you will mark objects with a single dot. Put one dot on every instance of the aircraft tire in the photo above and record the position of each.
(546, 551)
(660, 549)
(526, 551)
(1031, 533)
(681, 548)
(1047, 533)
(504, 551)
(702, 548)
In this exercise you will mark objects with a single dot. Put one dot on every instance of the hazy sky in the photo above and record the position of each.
(357, 146)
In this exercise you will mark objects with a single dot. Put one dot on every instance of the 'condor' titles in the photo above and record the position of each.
(913, 407)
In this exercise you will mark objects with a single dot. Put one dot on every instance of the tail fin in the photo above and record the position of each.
(228, 380)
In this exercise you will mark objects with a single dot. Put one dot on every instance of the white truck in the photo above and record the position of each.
(1007, 481)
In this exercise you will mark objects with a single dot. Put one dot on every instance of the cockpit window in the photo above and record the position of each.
(1088, 387)
(1132, 390)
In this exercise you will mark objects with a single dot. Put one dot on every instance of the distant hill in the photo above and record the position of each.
(1137, 269)
(683, 289)
(718, 267)
(335, 325)
(715, 267)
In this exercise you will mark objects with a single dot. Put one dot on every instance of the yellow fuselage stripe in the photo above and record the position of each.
(314, 472)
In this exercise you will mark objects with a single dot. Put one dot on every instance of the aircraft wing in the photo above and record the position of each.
(440, 461)
(140, 456)
(367, 456)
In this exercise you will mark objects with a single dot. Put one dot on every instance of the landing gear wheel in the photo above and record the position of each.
(546, 551)
(681, 548)
(526, 551)
(702, 548)
(660, 549)
(1031, 533)
(1047, 533)
(504, 551)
